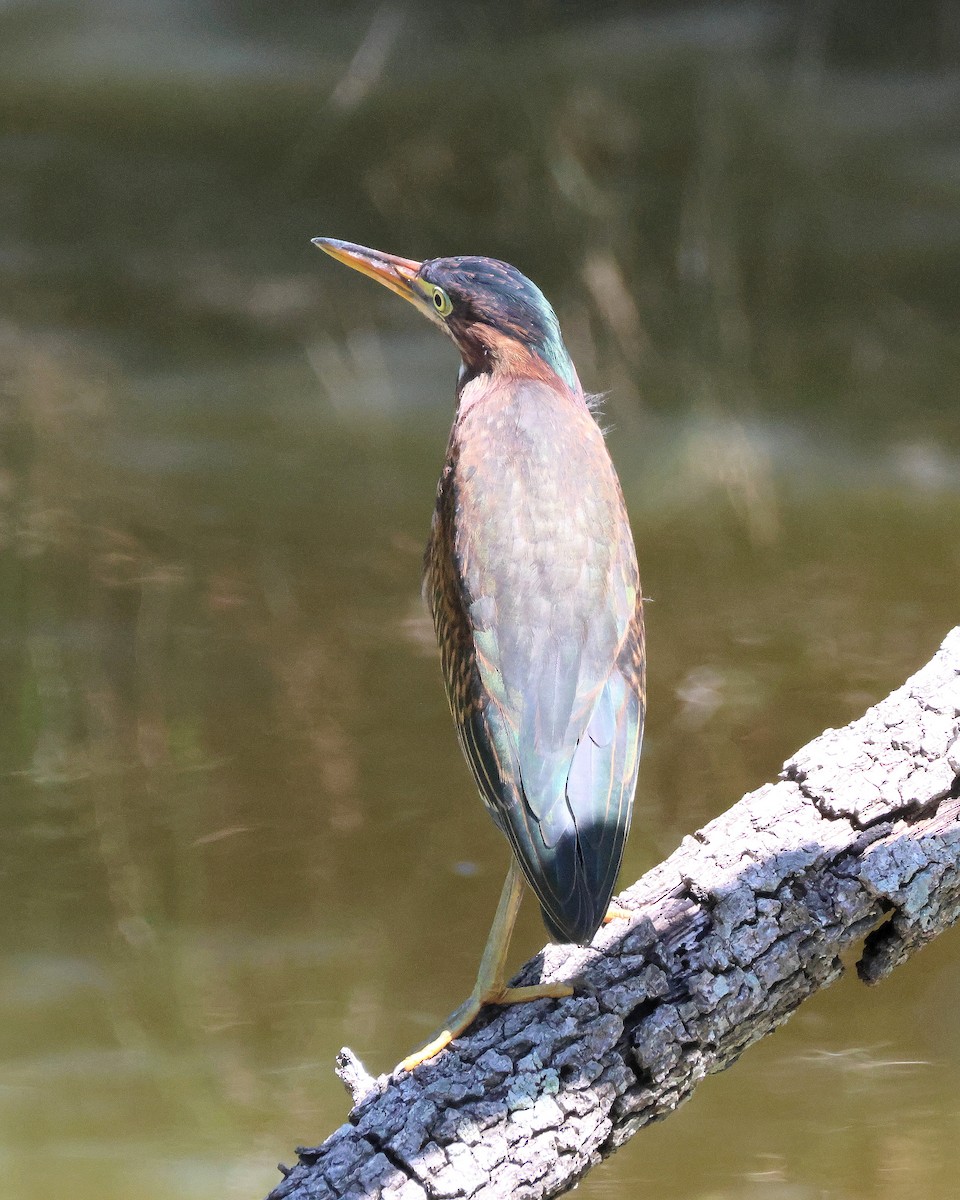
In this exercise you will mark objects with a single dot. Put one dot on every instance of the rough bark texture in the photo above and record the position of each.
(858, 843)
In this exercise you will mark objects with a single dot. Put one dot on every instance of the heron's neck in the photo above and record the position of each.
(501, 359)
(498, 388)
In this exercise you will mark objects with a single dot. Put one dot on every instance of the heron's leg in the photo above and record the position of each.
(490, 987)
(616, 912)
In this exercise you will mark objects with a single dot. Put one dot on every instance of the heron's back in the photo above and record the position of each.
(532, 578)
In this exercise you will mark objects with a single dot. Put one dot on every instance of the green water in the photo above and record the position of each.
(236, 830)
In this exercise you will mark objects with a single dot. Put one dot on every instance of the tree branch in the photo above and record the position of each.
(858, 843)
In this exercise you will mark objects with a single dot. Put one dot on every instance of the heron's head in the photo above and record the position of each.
(499, 319)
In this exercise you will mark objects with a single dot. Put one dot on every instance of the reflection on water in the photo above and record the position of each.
(237, 831)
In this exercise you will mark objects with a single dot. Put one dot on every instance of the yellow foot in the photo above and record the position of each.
(440, 1042)
(616, 912)
(466, 1014)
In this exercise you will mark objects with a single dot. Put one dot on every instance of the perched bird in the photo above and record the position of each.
(531, 575)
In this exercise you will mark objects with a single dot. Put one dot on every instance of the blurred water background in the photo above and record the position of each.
(235, 829)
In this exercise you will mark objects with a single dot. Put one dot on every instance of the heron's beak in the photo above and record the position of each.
(395, 273)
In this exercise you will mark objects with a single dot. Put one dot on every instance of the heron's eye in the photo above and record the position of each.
(442, 302)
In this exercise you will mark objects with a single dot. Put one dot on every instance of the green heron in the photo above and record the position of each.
(531, 575)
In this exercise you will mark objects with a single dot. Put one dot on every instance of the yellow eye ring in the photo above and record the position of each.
(442, 302)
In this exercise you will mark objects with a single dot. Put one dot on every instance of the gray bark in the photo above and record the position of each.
(859, 843)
